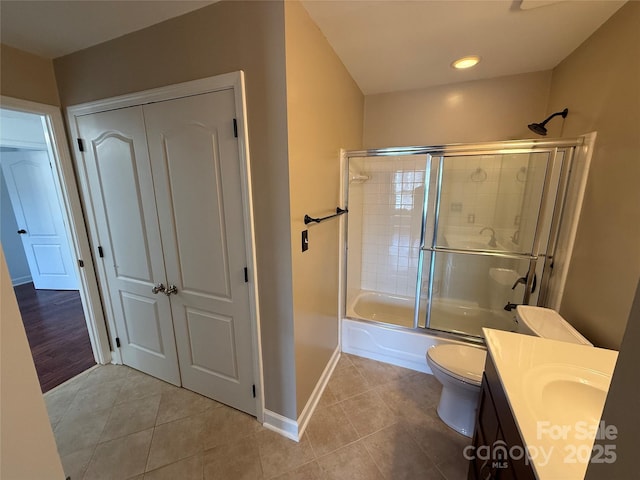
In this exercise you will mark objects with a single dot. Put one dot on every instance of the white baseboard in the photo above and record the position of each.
(282, 425)
(21, 280)
(294, 429)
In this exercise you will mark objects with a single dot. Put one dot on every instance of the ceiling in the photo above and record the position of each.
(388, 45)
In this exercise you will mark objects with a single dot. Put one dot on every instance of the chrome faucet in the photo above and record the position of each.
(492, 240)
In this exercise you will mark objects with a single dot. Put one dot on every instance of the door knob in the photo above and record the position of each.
(171, 289)
(22, 231)
(158, 288)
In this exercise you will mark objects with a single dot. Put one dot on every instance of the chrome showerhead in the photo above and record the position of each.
(540, 128)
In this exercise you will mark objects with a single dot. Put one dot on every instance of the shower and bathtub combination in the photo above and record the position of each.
(441, 241)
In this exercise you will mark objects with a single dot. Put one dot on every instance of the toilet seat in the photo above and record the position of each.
(461, 362)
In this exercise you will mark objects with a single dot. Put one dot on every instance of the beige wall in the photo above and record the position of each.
(221, 38)
(478, 111)
(27, 76)
(324, 113)
(27, 446)
(600, 84)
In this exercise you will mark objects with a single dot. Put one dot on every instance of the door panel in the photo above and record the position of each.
(121, 197)
(196, 169)
(35, 204)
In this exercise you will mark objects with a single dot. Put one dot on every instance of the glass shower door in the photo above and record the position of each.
(487, 220)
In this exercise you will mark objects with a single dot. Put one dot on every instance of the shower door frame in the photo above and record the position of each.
(552, 147)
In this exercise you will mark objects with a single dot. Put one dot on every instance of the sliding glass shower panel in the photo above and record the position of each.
(471, 291)
(482, 230)
(490, 202)
(385, 200)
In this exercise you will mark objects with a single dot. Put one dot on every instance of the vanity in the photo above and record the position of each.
(539, 411)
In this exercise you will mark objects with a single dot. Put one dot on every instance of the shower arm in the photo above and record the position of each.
(563, 113)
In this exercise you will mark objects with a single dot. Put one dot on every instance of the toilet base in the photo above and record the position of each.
(457, 408)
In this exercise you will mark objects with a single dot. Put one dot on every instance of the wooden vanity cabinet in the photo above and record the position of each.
(503, 456)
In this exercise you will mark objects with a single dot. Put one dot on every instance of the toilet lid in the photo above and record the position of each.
(460, 361)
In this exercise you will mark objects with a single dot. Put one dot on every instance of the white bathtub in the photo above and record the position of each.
(407, 347)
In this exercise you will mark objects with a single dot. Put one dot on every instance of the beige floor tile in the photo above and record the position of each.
(76, 463)
(348, 382)
(330, 429)
(138, 385)
(236, 460)
(399, 457)
(308, 471)
(378, 373)
(226, 424)
(120, 458)
(58, 404)
(343, 362)
(77, 432)
(131, 417)
(454, 469)
(279, 455)
(91, 398)
(106, 373)
(176, 440)
(439, 442)
(328, 398)
(352, 462)
(186, 469)
(178, 403)
(368, 413)
(411, 395)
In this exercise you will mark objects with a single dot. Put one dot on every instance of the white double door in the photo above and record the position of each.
(164, 183)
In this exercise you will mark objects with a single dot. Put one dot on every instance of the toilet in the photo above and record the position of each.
(459, 367)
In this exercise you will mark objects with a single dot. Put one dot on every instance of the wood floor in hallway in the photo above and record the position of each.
(57, 333)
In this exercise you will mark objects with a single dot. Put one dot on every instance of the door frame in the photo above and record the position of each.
(235, 81)
(69, 198)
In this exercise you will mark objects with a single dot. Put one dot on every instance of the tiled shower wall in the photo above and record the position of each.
(392, 199)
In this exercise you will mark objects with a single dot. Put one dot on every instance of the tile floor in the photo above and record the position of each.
(374, 421)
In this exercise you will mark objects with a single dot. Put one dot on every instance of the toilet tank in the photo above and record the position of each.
(547, 323)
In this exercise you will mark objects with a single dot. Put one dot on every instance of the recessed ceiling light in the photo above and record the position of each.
(466, 62)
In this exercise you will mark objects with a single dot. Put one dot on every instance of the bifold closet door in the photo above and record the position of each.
(198, 186)
(121, 199)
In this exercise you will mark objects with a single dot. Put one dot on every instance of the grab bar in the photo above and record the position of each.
(339, 211)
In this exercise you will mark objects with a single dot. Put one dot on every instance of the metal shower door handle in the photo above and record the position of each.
(171, 289)
(158, 288)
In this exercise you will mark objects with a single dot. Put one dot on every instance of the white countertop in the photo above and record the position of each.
(556, 391)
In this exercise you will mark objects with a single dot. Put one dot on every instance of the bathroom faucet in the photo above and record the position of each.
(492, 240)
(510, 306)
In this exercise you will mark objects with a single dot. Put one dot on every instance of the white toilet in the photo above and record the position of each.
(459, 367)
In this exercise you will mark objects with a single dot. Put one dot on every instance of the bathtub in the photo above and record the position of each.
(373, 327)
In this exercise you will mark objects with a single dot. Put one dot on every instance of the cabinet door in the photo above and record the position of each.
(196, 171)
(118, 191)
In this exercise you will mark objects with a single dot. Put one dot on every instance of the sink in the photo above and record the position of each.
(549, 387)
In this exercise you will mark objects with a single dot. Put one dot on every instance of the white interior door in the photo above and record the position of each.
(196, 168)
(37, 210)
(120, 188)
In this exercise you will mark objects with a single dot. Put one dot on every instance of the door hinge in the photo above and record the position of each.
(235, 128)
(118, 342)
(80, 144)
(81, 263)
(100, 252)
(254, 391)
(246, 275)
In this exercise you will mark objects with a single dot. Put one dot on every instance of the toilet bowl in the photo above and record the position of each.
(459, 367)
